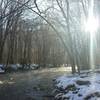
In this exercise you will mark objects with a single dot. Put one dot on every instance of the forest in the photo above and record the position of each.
(49, 37)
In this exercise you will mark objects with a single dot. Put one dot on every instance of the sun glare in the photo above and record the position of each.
(92, 24)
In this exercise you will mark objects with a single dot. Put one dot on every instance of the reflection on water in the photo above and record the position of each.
(31, 85)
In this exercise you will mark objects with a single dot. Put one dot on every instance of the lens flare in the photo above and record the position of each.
(91, 24)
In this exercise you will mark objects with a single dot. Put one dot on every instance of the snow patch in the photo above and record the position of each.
(78, 87)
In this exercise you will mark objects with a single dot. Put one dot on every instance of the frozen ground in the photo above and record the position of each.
(83, 87)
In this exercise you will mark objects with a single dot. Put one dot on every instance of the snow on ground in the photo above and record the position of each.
(83, 87)
(1, 70)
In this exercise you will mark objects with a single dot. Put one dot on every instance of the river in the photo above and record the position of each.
(30, 85)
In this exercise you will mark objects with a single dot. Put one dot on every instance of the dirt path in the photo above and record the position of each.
(31, 85)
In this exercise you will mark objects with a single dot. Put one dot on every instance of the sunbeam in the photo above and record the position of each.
(91, 27)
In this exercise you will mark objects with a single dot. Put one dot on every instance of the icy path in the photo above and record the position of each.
(31, 85)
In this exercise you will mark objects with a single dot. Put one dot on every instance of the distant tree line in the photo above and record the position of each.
(27, 41)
